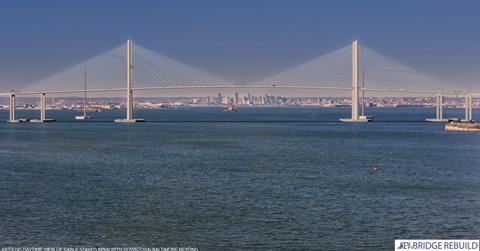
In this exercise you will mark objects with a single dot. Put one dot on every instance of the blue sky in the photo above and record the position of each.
(240, 40)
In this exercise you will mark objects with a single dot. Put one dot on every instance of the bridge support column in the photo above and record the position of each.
(129, 105)
(42, 107)
(43, 117)
(355, 89)
(439, 110)
(468, 108)
(11, 117)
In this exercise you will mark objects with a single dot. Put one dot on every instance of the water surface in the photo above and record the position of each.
(277, 178)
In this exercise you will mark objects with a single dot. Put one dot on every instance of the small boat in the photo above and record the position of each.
(84, 116)
(362, 116)
(230, 108)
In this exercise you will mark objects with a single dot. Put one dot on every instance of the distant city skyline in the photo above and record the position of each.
(239, 41)
(76, 103)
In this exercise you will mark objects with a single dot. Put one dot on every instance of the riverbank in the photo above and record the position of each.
(463, 126)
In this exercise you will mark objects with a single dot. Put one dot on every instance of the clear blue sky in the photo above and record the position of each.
(239, 40)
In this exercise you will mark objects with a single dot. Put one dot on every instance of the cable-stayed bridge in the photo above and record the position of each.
(351, 68)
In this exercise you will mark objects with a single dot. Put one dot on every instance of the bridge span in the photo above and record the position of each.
(355, 90)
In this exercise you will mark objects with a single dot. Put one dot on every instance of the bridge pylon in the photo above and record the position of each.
(129, 118)
(356, 117)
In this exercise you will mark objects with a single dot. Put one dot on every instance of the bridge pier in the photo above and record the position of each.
(42, 111)
(42, 107)
(129, 118)
(11, 117)
(355, 89)
(468, 108)
(439, 110)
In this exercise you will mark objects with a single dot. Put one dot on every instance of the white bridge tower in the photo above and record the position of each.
(355, 88)
(129, 118)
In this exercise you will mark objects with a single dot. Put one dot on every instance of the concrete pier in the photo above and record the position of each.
(42, 106)
(42, 111)
(356, 118)
(129, 118)
(439, 110)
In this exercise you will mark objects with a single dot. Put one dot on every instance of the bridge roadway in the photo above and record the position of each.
(366, 89)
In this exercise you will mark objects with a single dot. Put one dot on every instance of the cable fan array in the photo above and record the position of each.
(332, 69)
(384, 72)
(151, 69)
(108, 70)
(335, 69)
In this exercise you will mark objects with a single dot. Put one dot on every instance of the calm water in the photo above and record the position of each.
(277, 178)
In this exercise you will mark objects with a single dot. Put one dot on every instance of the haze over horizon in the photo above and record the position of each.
(239, 41)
